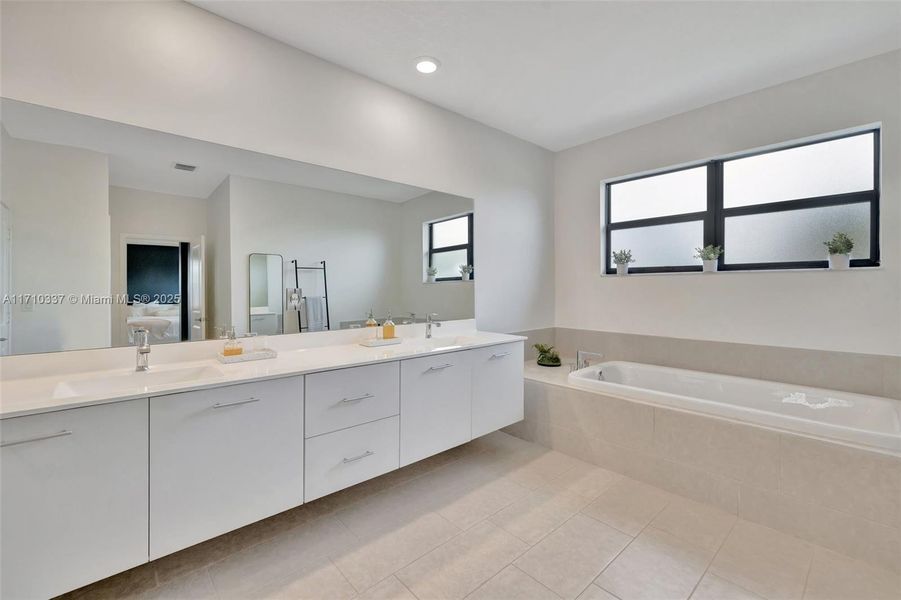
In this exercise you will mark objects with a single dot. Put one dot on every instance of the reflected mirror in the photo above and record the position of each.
(107, 227)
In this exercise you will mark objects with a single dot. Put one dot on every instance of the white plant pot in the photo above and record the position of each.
(622, 269)
(466, 276)
(710, 266)
(430, 278)
(839, 262)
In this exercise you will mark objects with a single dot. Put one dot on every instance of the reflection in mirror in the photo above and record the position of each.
(107, 227)
(266, 293)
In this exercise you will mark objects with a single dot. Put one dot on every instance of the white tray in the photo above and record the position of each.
(247, 356)
(376, 342)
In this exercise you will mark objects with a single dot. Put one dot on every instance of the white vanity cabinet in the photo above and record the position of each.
(497, 387)
(222, 458)
(73, 497)
(435, 405)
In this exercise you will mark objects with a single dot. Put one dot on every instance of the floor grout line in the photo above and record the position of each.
(713, 558)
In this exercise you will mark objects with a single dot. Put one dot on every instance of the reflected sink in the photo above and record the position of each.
(133, 380)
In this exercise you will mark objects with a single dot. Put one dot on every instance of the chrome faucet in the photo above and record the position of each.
(428, 325)
(583, 359)
(142, 345)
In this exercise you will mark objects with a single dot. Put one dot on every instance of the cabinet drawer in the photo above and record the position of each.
(347, 397)
(338, 460)
(222, 458)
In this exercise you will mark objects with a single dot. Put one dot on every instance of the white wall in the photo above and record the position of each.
(450, 299)
(147, 214)
(855, 311)
(173, 67)
(59, 207)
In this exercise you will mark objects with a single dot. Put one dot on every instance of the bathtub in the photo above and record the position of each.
(868, 421)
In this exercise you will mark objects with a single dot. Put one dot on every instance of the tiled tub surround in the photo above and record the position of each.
(871, 374)
(496, 519)
(844, 498)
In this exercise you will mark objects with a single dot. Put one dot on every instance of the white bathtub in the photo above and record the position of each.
(868, 421)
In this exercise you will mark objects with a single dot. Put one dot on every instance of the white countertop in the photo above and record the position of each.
(33, 395)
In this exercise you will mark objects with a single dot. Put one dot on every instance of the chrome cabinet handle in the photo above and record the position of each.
(366, 396)
(36, 438)
(235, 403)
(360, 457)
(500, 355)
(440, 367)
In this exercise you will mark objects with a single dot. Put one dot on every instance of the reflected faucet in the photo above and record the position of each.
(142, 345)
(428, 325)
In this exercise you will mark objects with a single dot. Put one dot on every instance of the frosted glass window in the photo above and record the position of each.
(668, 245)
(834, 167)
(659, 195)
(796, 235)
(451, 233)
(448, 263)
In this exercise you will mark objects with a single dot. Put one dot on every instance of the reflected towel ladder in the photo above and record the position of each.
(297, 268)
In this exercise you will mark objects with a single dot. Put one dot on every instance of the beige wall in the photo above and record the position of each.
(853, 311)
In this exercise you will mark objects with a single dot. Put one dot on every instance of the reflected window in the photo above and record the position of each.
(450, 246)
(769, 209)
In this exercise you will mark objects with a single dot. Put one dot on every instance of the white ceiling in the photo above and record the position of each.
(563, 73)
(143, 159)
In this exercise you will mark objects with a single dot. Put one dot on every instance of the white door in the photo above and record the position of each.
(196, 291)
(5, 279)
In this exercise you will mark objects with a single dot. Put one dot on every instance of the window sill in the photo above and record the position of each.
(695, 273)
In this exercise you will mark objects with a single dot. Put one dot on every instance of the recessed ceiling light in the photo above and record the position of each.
(427, 65)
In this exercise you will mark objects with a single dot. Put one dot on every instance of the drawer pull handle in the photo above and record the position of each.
(235, 403)
(500, 355)
(440, 367)
(360, 457)
(36, 438)
(357, 399)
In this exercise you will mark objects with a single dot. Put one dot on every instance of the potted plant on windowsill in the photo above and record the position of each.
(547, 355)
(622, 259)
(431, 273)
(466, 272)
(710, 256)
(839, 248)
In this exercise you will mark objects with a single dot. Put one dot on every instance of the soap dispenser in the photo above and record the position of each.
(232, 346)
(388, 328)
(371, 322)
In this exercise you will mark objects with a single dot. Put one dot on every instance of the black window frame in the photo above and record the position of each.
(715, 215)
(469, 247)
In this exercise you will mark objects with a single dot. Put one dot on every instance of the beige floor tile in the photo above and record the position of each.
(585, 480)
(655, 566)
(836, 577)
(387, 589)
(459, 566)
(317, 579)
(696, 523)
(280, 557)
(378, 557)
(628, 505)
(542, 469)
(512, 584)
(128, 584)
(593, 592)
(764, 561)
(538, 514)
(717, 588)
(467, 507)
(196, 586)
(569, 559)
(386, 510)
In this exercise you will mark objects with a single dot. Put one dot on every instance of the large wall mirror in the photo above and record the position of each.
(106, 227)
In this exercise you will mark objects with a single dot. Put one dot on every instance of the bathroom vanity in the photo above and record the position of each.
(103, 471)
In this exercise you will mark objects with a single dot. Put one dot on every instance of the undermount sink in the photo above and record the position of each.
(138, 381)
(448, 342)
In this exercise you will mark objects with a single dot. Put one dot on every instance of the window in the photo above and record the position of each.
(450, 245)
(768, 210)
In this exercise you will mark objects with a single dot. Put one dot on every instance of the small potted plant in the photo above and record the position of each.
(622, 259)
(547, 355)
(466, 272)
(431, 273)
(839, 248)
(709, 255)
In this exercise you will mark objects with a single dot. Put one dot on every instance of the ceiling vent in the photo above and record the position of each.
(184, 167)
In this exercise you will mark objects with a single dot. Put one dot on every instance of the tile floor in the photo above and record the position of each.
(500, 518)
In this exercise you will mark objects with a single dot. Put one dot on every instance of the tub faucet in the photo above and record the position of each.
(583, 358)
(142, 345)
(428, 324)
